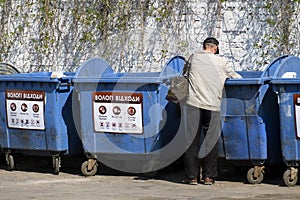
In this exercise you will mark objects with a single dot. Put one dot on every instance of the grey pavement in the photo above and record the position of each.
(33, 179)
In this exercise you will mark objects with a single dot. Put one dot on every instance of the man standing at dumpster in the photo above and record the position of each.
(207, 76)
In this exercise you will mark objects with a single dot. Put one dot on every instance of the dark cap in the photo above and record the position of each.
(211, 40)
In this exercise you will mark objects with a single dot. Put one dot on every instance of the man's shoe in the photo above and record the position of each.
(208, 181)
(190, 181)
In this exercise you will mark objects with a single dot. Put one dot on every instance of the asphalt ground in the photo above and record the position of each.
(32, 178)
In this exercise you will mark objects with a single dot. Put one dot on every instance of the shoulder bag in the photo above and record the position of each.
(179, 86)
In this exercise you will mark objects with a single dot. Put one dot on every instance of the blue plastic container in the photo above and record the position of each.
(286, 83)
(250, 122)
(124, 118)
(36, 116)
(6, 68)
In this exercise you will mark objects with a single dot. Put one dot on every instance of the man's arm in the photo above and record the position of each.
(231, 73)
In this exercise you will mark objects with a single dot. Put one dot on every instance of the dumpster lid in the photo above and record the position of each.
(272, 67)
(98, 70)
(261, 77)
(249, 78)
(36, 77)
(6, 68)
(289, 68)
(285, 81)
(287, 72)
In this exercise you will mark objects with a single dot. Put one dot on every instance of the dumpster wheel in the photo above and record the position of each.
(255, 175)
(10, 162)
(290, 177)
(89, 168)
(56, 165)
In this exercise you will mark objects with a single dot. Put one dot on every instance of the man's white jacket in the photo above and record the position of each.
(207, 76)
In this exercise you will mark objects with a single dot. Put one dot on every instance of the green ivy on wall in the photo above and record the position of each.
(61, 30)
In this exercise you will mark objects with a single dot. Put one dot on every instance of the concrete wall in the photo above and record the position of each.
(251, 33)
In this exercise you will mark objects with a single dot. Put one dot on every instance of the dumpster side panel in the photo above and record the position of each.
(152, 114)
(56, 134)
(256, 131)
(4, 142)
(268, 111)
(257, 138)
(22, 138)
(234, 127)
(108, 142)
(168, 121)
(248, 118)
(157, 129)
(236, 146)
(286, 84)
(235, 138)
(50, 138)
(68, 114)
(240, 91)
(289, 142)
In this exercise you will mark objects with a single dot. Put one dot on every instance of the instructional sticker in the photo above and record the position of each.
(118, 112)
(25, 109)
(297, 114)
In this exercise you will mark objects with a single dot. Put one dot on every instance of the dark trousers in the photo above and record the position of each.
(208, 122)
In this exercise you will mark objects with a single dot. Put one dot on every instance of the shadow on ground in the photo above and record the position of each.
(228, 171)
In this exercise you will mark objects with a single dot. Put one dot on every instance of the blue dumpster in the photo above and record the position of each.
(124, 120)
(6, 68)
(286, 83)
(36, 117)
(250, 132)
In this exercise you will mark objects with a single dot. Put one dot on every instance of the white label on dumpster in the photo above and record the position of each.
(297, 114)
(25, 109)
(118, 112)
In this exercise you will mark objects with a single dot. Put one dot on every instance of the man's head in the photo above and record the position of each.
(211, 44)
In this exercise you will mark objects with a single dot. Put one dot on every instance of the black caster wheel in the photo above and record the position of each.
(10, 162)
(89, 172)
(288, 179)
(252, 179)
(56, 165)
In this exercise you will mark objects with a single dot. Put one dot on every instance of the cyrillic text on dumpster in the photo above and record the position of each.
(297, 114)
(25, 109)
(118, 112)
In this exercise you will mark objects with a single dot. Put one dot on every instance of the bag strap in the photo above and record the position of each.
(187, 67)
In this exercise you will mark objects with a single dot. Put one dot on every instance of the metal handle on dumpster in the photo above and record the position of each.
(64, 86)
